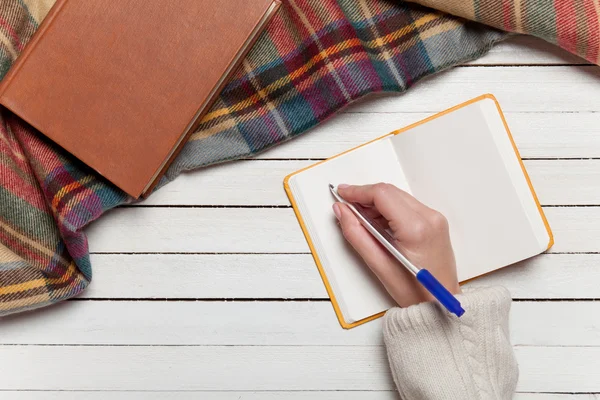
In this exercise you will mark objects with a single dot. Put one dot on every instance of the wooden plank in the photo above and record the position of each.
(542, 134)
(295, 276)
(264, 323)
(526, 50)
(552, 179)
(211, 395)
(563, 182)
(270, 230)
(207, 276)
(549, 369)
(250, 368)
(552, 276)
(236, 395)
(576, 229)
(518, 89)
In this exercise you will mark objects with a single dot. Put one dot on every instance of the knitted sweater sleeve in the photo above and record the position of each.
(434, 355)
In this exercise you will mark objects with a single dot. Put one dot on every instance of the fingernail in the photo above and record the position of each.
(342, 186)
(337, 211)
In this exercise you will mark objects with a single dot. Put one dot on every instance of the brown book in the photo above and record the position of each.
(121, 84)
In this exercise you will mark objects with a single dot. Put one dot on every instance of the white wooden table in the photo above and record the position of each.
(207, 290)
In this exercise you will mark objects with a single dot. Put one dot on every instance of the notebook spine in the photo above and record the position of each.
(22, 58)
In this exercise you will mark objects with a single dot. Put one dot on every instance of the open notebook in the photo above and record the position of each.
(461, 162)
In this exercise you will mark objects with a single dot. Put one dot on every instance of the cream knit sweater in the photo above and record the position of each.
(434, 355)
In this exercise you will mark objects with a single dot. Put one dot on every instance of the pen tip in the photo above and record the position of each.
(331, 186)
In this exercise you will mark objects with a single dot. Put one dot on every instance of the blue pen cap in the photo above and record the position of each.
(440, 292)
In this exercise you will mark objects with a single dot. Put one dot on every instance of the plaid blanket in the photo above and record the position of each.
(573, 25)
(314, 58)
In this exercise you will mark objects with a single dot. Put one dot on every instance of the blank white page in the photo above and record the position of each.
(357, 291)
(458, 166)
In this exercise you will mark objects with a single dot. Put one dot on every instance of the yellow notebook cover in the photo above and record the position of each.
(290, 195)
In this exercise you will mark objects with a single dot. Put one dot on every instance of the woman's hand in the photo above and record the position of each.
(420, 233)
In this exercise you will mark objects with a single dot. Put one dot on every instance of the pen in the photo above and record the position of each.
(424, 277)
